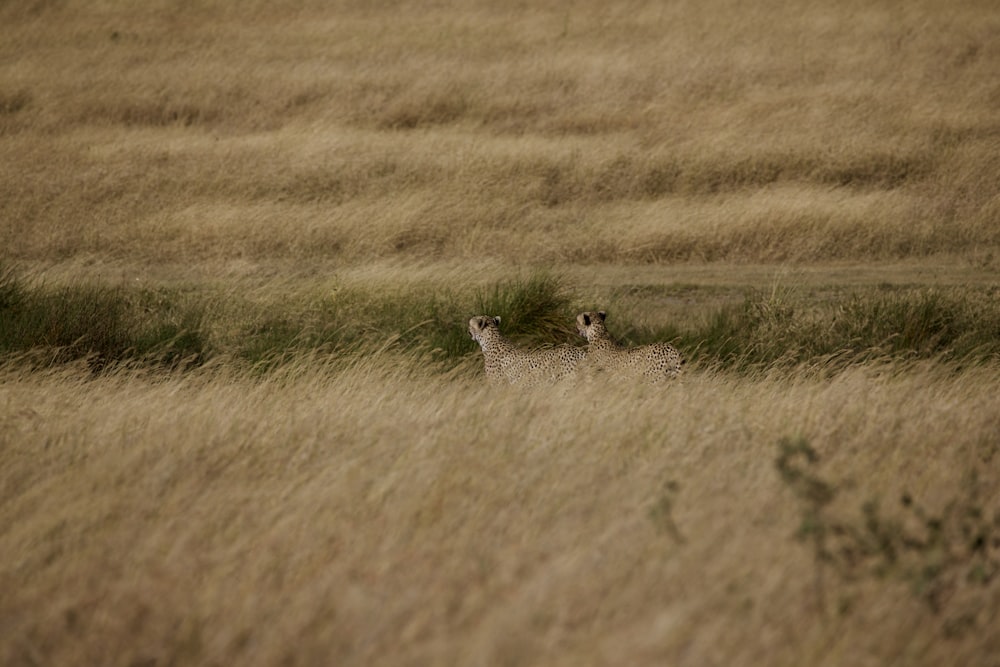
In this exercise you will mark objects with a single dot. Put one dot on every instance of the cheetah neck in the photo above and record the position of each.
(495, 344)
(600, 340)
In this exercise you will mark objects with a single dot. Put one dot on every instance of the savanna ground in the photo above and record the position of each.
(241, 421)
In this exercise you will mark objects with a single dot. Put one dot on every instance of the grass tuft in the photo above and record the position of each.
(103, 324)
(536, 309)
(776, 329)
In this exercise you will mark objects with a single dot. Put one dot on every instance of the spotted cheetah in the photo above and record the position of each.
(508, 364)
(656, 361)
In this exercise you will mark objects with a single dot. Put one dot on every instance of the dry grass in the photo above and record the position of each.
(376, 516)
(563, 132)
(259, 161)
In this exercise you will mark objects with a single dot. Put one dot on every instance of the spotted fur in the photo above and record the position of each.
(508, 364)
(656, 361)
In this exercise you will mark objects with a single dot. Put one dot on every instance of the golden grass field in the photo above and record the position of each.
(378, 516)
(381, 505)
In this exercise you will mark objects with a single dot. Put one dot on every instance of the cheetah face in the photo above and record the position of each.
(480, 323)
(585, 320)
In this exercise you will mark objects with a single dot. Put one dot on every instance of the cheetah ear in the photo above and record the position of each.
(601, 314)
(496, 319)
(586, 319)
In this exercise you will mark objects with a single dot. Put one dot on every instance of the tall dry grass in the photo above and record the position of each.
(231, 184)
(552, 133)
(377, 515)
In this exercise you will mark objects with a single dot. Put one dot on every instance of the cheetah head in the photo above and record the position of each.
(480, 323)
(585, 322)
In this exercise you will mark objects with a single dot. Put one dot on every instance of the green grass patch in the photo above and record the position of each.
(960, 325)
(535, 310)
(103, 324)
(110, 325)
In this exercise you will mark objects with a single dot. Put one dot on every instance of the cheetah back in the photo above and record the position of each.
(506, 363)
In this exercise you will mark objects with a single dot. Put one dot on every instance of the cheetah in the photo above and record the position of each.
(508, 364)
(654, 362)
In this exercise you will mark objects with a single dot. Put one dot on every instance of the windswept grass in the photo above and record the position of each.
(772, 329)
(99, 323)
(106, 325)
(241, 419)
(378, 514)
(547, 134)
(768, 329)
